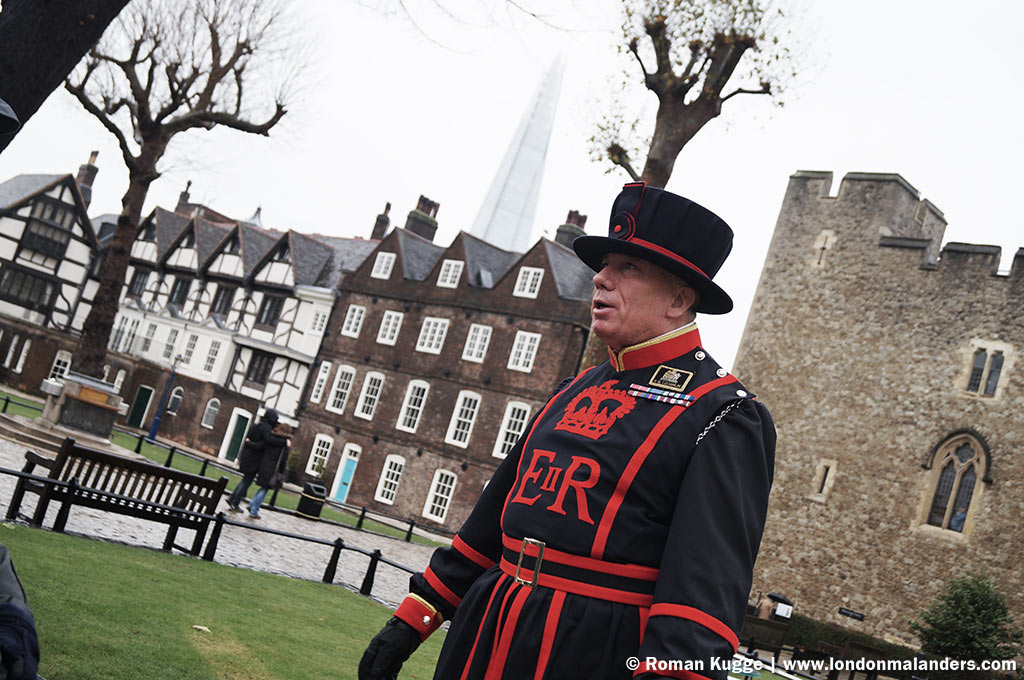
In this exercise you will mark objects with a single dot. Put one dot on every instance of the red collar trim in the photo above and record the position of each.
(656, 350)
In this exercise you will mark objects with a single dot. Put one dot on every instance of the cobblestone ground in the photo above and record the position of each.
(241, 547)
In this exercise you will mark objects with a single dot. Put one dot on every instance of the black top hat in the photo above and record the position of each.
(8, 119)
(673, 232)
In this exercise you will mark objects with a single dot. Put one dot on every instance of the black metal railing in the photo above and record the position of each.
(219, 520)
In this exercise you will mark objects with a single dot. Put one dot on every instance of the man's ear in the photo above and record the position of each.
(682, 304)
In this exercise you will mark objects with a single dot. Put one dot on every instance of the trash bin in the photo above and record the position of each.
(312, 500)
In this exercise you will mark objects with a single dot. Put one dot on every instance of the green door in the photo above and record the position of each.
(237, 436)
(140, 406)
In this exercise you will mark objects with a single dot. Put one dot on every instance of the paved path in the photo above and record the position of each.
(241, 547)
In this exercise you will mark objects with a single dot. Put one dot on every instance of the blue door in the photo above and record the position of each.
(346, 479)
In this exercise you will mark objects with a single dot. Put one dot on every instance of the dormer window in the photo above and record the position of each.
(451, 271)
(383, 265)
(189, 241)
(284, 253)
(528, 282)
(233, 246)
(148, 233)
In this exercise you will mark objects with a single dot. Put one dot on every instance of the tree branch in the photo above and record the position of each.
(766, 88)
(209, 119)
(79, 92)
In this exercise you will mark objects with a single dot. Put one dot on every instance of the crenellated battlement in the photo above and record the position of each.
(886, 202)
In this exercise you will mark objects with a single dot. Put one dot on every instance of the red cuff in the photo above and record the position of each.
(423, 618)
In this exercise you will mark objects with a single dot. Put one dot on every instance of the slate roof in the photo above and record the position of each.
(573, 279)
(209, 235)
(18, 188)
(168, 227)
(309, 256)
(255, 243)
(103, 226)
(485, 263)
(346, 256)
(418, 254)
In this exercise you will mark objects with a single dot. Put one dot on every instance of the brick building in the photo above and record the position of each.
(434, 361)
(889, 366)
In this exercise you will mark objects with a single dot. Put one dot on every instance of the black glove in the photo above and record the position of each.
(388, 650)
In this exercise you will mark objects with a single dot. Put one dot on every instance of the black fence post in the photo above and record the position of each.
(7, 401)
(170, 456)
(332, 564)
(408, 534)
(202, 470)
(138, 443)
(362, 516)
(371, 571)
(211, 545)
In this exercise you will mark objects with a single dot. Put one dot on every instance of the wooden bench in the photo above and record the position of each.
(106, 481)
(763, 634)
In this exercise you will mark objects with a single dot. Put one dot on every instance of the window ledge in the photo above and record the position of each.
(940, 533)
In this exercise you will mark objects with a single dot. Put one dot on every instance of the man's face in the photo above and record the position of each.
(635, 300)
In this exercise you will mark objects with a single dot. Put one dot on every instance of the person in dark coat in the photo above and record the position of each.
(271, 467)
(617, 539)
(19, 645)
(260, 440)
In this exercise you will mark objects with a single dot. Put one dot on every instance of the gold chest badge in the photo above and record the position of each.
(675, 379)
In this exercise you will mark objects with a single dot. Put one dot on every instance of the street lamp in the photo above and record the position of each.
(163, 401)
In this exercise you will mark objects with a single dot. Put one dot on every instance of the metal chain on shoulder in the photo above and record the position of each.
(714, 422)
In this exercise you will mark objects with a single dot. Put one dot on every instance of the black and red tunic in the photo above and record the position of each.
(645, 482)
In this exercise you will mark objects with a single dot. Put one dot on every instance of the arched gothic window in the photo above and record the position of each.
(958, 466)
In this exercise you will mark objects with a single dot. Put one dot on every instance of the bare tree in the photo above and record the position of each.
(694, 55)
(166, 67)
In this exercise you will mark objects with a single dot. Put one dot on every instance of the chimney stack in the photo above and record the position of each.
(423, 220)
(380, 227)
(572, 228)
(183, 199)
(86, 176)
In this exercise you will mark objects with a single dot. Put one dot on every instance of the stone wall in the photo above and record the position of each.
(860, 340)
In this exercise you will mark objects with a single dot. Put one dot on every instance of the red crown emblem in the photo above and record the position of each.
(595, 410)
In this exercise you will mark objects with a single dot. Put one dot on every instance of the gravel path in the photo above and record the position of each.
(241, 547)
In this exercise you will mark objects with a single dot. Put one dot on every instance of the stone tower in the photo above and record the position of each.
(889, 366)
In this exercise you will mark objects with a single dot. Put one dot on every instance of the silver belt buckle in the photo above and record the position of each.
(536, 567)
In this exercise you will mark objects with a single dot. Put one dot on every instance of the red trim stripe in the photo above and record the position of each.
(714, 384)
(498, 624)
(548, 640)
(496, 666)
(669, 254)
(668, 673)
(637, 571)
(578, 588)
(697, 616)
(519, 468)
(442, 590)
(471, 554)
(480, 629)
(628, 475)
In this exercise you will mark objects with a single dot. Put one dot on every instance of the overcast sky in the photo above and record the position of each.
(929, 89)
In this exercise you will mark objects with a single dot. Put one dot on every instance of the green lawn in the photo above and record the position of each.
(14, 409)
(112, 612)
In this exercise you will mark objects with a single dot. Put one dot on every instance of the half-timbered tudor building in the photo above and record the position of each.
(236, 310)
(434, 361)
(49, 254)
